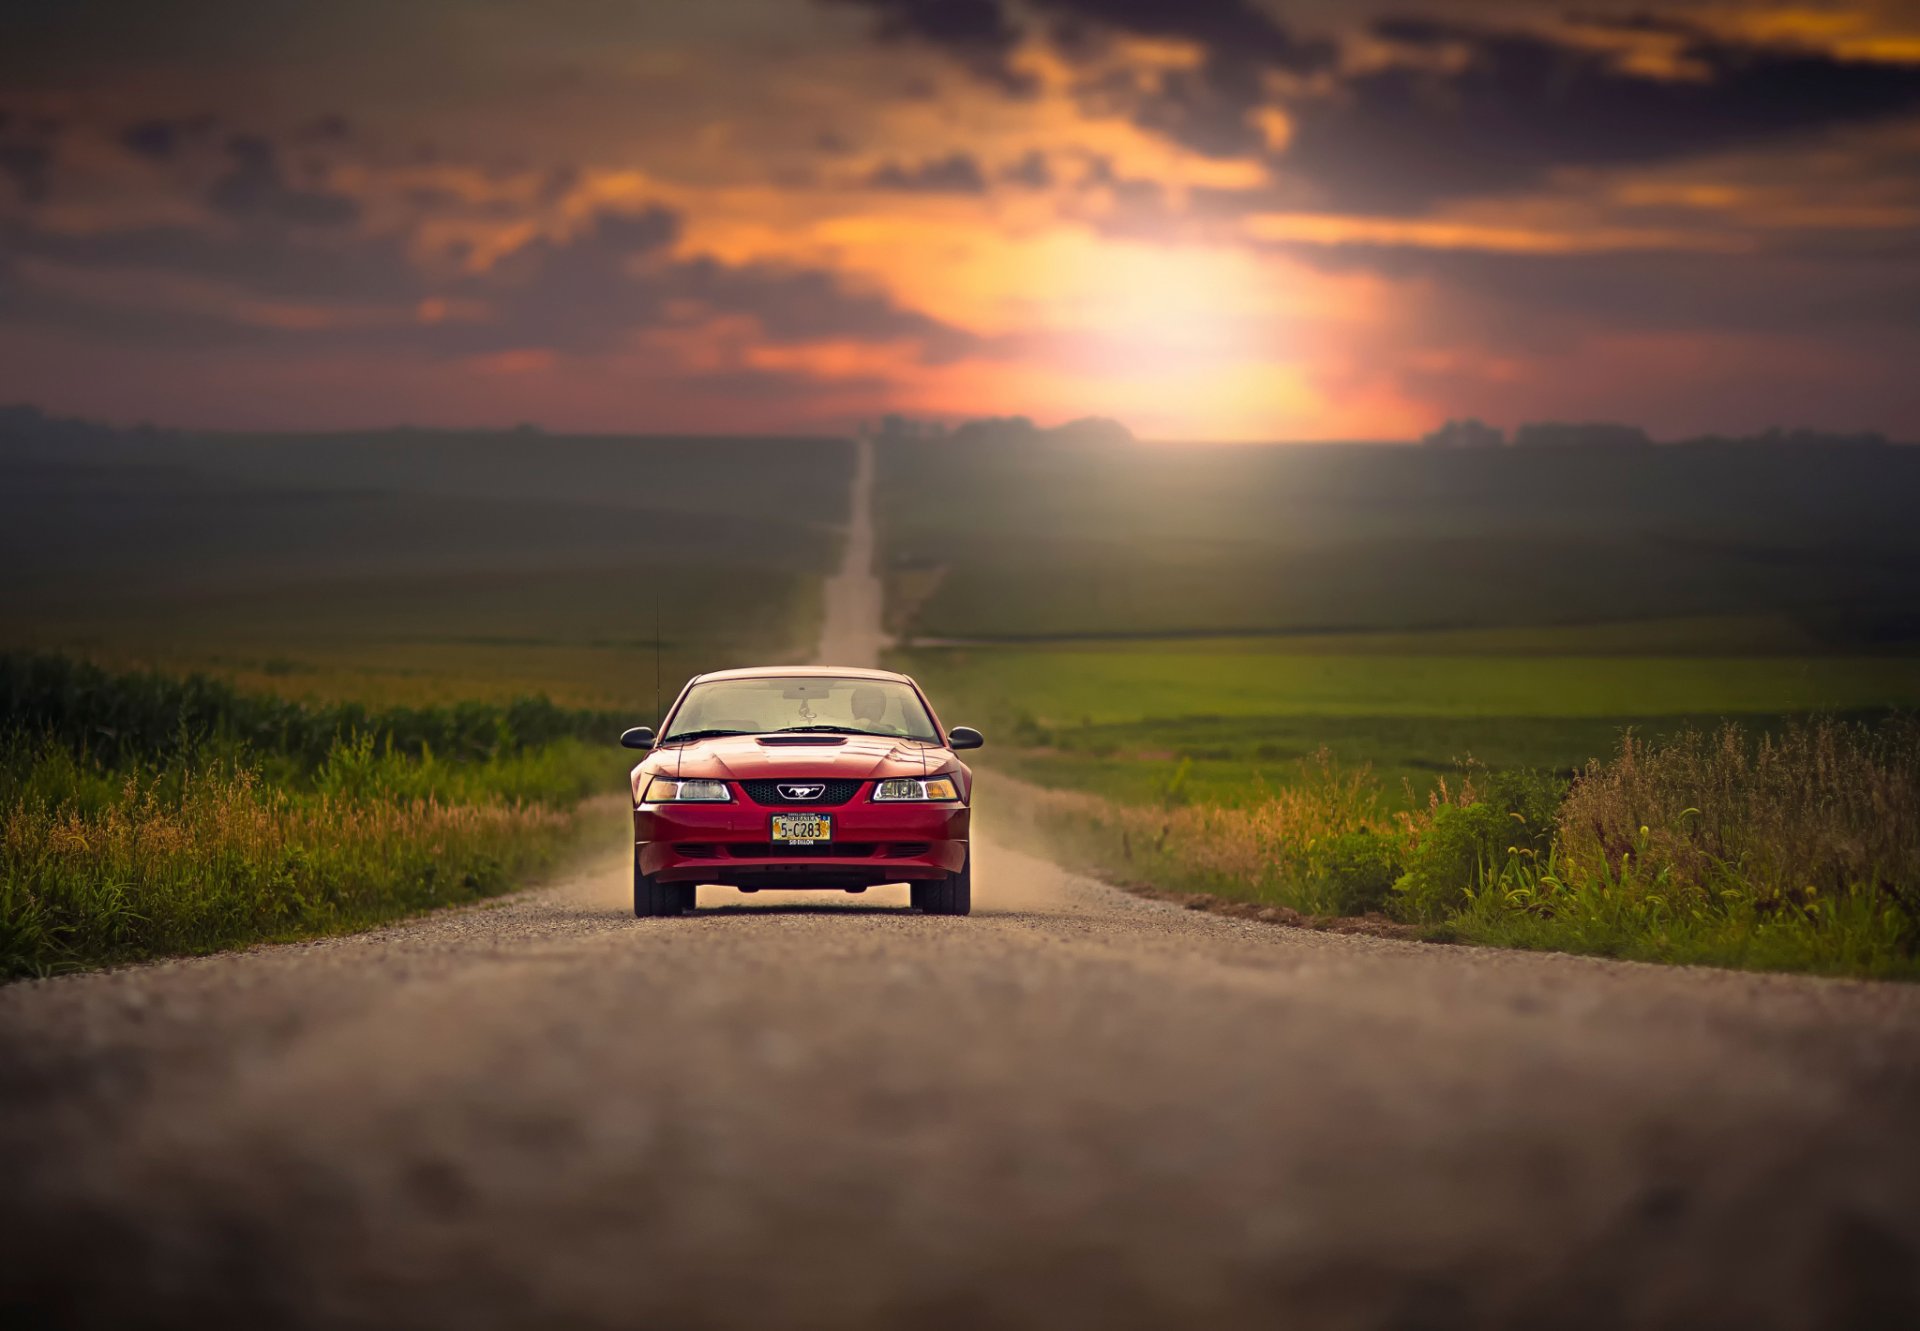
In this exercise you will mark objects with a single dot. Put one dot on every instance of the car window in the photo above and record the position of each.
(800, 702)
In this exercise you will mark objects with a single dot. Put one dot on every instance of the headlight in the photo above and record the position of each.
(660, 790)
(934, 788)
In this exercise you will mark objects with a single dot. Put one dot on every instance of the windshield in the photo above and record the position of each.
(827, 704)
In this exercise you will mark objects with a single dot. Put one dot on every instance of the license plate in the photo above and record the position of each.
(801, 829)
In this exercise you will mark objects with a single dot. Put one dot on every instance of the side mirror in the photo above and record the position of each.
(640, 737)
(964, 737)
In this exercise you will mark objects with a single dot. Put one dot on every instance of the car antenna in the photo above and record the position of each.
(656, 653)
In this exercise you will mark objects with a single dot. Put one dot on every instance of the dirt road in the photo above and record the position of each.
(1074, 1109)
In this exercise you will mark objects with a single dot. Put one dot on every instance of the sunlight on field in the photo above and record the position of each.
(1086, 685)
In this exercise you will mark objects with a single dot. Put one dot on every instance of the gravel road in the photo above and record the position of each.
(1074, 1109)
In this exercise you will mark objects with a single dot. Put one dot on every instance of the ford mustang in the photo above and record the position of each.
(801, 777)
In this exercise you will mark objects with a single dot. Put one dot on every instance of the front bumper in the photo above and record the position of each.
(730, 845)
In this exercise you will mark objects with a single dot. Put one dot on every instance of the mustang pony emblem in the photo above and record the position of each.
(802, 792)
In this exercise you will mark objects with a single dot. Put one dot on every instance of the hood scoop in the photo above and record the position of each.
(788, 741)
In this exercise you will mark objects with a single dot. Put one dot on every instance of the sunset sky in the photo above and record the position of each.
(1219, 219)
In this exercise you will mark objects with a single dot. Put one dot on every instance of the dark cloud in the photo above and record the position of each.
(1207, 108)
(265, 263)
(26, 154)
(157, 139)
(809, 304)
(1032, 171)
(256, 188)
(330, 128)
(617, 275)
(160, 138)
(1464, 110)
(956, 173)
(1230, 31)
(584, 293)
(29, 166)
(977, 33)
(1510, 107)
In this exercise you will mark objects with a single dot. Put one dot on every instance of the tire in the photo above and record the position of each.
(651, 897)
(952, 895)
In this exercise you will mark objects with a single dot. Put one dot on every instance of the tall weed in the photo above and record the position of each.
(1795, 851)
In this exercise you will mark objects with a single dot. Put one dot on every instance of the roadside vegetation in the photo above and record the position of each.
(1797, 850)
(1642, 703)
(144, 815)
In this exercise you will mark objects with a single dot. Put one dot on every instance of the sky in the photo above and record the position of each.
(1216, 219)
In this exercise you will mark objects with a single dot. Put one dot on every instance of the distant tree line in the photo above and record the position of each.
(1088, 430)
(1474, 433)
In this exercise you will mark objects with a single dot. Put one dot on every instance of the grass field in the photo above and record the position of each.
(1115, 611)
(1315, 678)
(1221, 717)
(415, 566)
(1035, 540)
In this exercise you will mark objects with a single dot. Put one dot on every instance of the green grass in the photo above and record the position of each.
(143, 815)
(186, 859)
(1121, 719)
(1796, 851)
(1065, 685)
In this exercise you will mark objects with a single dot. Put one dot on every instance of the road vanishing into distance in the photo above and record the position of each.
(1074, 1109)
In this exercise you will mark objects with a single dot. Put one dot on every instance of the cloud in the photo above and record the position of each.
(956, 173)
(264, 263)
(1447, 109)
(256, 188)
(1508, 108)
(1032, 171)
(590, 291)
(159, 138)
(798, 304)
(29, 166)
(1229, 31)
(976, 33)
(617, 275)
(1208, 108)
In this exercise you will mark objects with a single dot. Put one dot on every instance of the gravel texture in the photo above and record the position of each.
(1075, 1107)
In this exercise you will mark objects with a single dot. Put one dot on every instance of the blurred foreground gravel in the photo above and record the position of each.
(1075, 1108)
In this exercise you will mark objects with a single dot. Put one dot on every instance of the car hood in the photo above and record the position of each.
(742, 758)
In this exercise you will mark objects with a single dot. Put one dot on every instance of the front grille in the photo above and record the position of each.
(901, 850)
(697, 850)
(765, 790)
(769, 850)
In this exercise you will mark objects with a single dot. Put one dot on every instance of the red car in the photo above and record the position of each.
(801, 777)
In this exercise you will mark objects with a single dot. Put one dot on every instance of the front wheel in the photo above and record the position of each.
(652, 897)
(952, 895)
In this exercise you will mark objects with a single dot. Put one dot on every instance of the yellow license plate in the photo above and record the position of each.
(801, 829)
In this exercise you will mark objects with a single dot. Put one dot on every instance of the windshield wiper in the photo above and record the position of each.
(700, 734)
(832, 730)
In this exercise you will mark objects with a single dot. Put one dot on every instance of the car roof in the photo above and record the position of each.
(781, 672)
